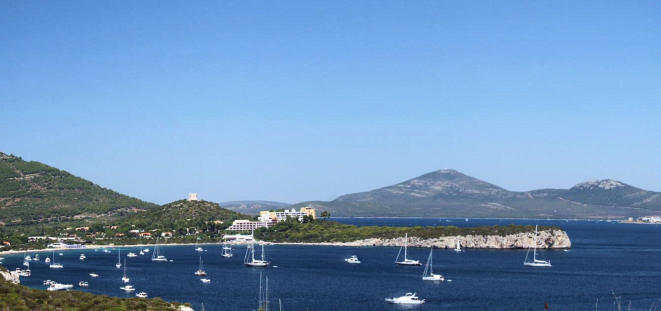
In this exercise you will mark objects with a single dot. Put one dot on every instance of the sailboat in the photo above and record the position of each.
(406, 261)
(457, 247)
(227, 251)
(125, 278)
(251, 261)
(200, 271)
(54, 265)
(119, 258)
(428, 274)
(156, 256)
(535, 262)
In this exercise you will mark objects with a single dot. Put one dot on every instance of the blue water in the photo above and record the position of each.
(625, 258)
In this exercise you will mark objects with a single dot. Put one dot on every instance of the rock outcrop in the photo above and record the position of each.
(10, 276)
(546, 239)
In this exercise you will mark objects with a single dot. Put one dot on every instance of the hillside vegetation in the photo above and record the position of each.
(32, 192)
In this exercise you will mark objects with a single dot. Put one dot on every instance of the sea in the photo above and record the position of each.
(607, 261)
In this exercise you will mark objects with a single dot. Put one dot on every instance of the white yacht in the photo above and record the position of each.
(36, 257)
(27, 258)
(25, 273)
(156, 256)
(54, 265)
(47, 260)
(205, 281)
(125, 278)
(127, 288)
(141, 253)
(408, 299)
(107, 251)
(457, 247)
(82, 257)
(200, 271)
(227, 251)
(60, 254)
(54, 286)
(141, 295)
(119, 258)
(535, 262)
(199, 249)
(250, 261)
(428, 274)
(94, 275)
(131, 255)
(353, 259)
(146, 250)
(83, 284)
(406, 261)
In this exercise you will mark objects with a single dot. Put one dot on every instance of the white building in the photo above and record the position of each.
(192, 196)
(248, 225)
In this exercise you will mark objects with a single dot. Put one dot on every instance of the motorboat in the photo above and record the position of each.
(141, 295)
(406, 261)
(83, 284)
(82, 257)
(205, 281)
(94, 275)
(36, 257)
(200, 270)
(146, 250)
(428, 274)
(141, 253)
(353, 259)
(131, 255)
(199, 249)
(54, 286)
(127, 288)
(535, 262)
(47, 260)
(408, 299)
(60, 254)
(24, 273)
(227, 251)
(48, 282)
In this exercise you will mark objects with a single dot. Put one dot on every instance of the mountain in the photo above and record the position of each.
(32, 191)
(449, 193)
(253, 207)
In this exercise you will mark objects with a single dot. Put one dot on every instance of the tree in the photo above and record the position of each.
(325, 215)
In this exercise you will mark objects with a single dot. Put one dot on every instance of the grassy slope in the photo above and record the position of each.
(32, 191)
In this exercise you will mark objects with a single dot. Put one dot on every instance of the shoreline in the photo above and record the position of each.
(99, 246)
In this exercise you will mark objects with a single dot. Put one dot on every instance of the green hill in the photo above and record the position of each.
(33, 192)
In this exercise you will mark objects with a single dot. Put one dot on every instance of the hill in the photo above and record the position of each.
(449, 193)
(33, 192)
(253, 207)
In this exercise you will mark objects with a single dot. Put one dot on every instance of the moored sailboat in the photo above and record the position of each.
(156, 256)
(535, 262)
(251, 261)
(406, 261)
(200, 270)
(428, 274)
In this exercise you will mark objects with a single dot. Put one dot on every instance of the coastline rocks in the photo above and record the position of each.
(547, 239)
(11, 276)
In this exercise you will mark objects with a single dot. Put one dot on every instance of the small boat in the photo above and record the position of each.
(535, 262)
(227, 251)
(428, 274)
(26, 263)
(36, 257)
(353, 259)
(406, 261)
(94, 275)
(82, 257)
(25, 273)
(141, 295)
(60, 254)
(200, 271)
(146, 250)
(131, 255)
(141, 253)
(107, 251)
(155, 256)
(205, 281)
(83, 284)
(125, 278)
(408, 299)
(48, 282)
(54, 265)
(199, 249)
(54, 286)
(119, 258)
(457, 247)
(27, 258)
(250, 261)
(127, 288)
(47, 260)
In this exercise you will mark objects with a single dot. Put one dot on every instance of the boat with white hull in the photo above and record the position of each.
(156, 256)
(352, 260)
(227, 251)
(249, 259)
(200, 270)
(535, 262)
(428, 274)
(408, 299)
(406, 261)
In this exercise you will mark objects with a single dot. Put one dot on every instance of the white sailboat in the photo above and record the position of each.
(125, 278)
(156, 256)
(457, 247)
(54, 265)
(119, 258)
(406, 261)
(535, 262)
(251, 261)
(200, 270)
(428, 274)
(227, 251)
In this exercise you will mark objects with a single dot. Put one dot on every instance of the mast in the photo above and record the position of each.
(266, 294)
(406, 243)
(534, 250)
(263, 254)
(260, 290)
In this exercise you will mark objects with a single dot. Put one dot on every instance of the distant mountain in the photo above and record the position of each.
(449, 193)
(31, 191)
(253, 207)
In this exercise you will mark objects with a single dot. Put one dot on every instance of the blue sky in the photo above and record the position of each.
(303, 100)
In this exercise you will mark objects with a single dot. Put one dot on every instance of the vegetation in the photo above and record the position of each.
(329, 231)
(16, 297)
(32, 192)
